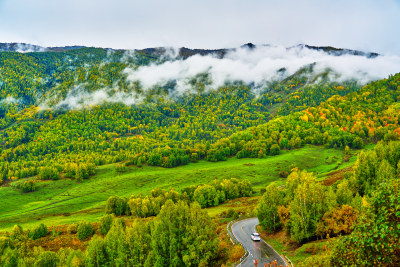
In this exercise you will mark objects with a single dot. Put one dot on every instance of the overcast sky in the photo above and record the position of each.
(358, 24)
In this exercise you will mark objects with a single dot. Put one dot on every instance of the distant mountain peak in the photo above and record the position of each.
(249, 46)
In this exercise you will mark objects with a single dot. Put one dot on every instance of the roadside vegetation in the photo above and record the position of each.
(362, 211)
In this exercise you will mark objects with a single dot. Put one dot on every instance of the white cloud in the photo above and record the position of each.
(78, 98)
(9, 100)
(262, 64)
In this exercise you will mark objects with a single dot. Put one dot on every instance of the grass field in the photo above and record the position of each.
(66, 201)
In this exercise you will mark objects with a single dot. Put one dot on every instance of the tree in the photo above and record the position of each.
(344, 193)
(116, 244)
(116, 205)
(365, 171)
(274, 150)
(309, 204)
(385, 172)
(38, 232)
(28, 186)
(337, 221)
(96, 253)
(267, 209)
(120, 168)
(206, 196)
(85, 230)
(105, 224)
(17, 233)
(183, 235)
(47, 259)
(375, 241)
(48, 173)
(81, 173)
(138, 238)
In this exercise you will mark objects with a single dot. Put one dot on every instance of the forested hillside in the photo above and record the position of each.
(65, 109)
(66, 112)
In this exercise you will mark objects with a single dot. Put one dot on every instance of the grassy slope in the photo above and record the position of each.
(297, 255)
(66, 201)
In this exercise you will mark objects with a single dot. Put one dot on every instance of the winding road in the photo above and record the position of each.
(261, 251)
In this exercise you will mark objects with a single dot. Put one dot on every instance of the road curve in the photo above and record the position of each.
(261, 251)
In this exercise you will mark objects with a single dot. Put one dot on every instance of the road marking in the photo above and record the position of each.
(242, 227)
(262, 241)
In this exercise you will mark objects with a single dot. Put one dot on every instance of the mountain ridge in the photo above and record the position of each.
(182, 52)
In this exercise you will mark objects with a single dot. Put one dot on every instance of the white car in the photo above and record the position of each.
(255, 237)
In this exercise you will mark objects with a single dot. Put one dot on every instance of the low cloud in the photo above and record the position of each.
(262, 64)
(256, 67)
(78, 98)
(9, 100)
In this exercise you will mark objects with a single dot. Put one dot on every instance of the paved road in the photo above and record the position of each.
(257, 250)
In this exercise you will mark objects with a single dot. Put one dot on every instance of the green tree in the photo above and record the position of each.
(385, 172)
(344, 193)
(267, 208)
(183, 235)
(206, 196)
(47, 259)
(274, 150)
(365, 171)
(85, 230)
(38, 232)
(96, 253)
(138, 238)
(375, 241)
(48, 173)
(17, 233)
(116, 244)
(310, 202)
(116, 205)
(105, 223)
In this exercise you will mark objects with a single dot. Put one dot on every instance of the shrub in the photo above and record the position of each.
(140, 162)
(274, 150)
(48, 173)
(72, 229)
(85, 230)
(81, 173)
(105, 224)
(38, 232)
(120, 168)
(28, 186)
(262, 191)
(96, 252)
(47, 259)
(116, 205)
(231, 213)
(76, 258)
(237, 253)
(5, 243)
(17, 233)
(283, 174)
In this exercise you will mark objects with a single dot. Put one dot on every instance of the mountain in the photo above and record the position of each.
(183, 52)
(80, 125)
(167, 97)
(340, 51)
(25, 48)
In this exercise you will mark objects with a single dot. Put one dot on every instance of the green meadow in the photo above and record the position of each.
(66, 201)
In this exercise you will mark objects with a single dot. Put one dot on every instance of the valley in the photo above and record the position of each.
(107, 155)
